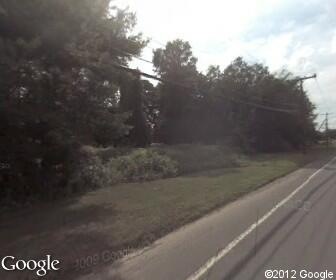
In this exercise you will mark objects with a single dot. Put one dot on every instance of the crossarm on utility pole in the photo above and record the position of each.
(305, 78)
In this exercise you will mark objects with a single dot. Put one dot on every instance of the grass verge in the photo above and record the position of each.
(131, 215)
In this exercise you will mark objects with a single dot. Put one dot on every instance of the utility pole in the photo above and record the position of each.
(327, 130)
(300, 80)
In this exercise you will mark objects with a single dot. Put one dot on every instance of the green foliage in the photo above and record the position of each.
(192, 157)
(176, 60)
(108, 166)
(98, 168)
(142, 165)
(88, 172)
(245, 104)
(176, 63)
(131, 100)
(58, 89)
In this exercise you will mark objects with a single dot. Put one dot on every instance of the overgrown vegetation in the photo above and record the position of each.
(142, 165)
(193, 158)
(97, 168)
(63, 85)
(135, 214)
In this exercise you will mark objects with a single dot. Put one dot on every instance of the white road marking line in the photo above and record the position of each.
(212, 261)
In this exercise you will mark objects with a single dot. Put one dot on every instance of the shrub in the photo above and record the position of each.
(88, 172)
(141, 165)
(111, 152)
(91, 171)
(194, 157)
(36, 169)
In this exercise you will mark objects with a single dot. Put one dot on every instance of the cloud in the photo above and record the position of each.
(333, 43)
(299, 35)
(284, 16)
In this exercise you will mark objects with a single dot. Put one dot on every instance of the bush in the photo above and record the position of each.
(106, 154)
(92, 171)
(35, 170)
(88, 172)
(141, 165)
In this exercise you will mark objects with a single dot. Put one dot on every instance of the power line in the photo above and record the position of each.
(140, 73)
(324, 114)
(299, 79)
(133, 55)
(265, 107)
(159, 79)
(321, 124)
(320, 91)
(318, 86)
(292, 105)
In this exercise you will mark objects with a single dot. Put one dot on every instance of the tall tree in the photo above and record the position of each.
(151, 99)
(131, 101)
(58, 85)
(284, 117)
(177, 64)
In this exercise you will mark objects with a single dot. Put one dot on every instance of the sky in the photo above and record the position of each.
(299, 35)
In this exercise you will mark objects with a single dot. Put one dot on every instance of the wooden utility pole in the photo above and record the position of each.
(327, 130)
(300, 80)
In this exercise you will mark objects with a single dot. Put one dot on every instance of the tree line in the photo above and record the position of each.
(63, 84)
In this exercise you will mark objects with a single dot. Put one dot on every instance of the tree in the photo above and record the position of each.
(58, 85)
(131, 101)
(177, 64)
(284, 118)
(151, 99)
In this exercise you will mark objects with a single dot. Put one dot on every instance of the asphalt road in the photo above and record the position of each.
(287, 225)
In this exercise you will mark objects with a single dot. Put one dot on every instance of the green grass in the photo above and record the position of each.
(135, 213)
(153, 208)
